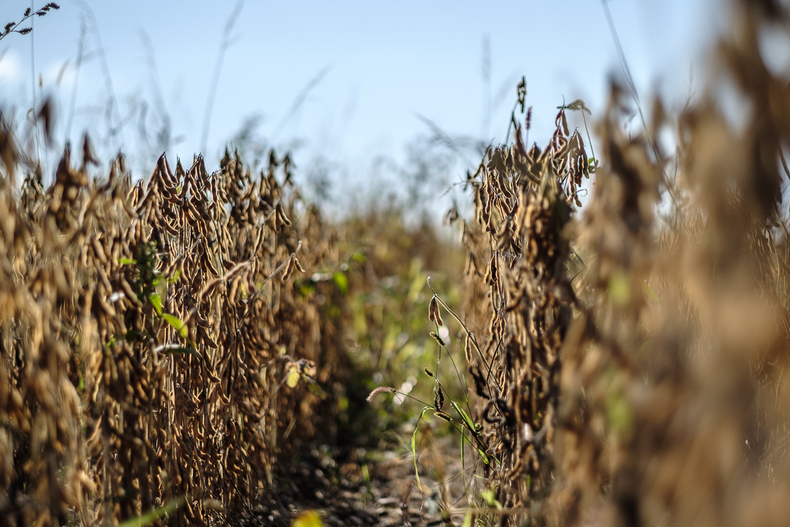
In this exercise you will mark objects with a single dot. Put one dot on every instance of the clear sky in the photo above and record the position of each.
(365, 69)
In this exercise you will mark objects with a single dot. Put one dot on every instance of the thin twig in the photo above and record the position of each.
(33, 86)
(112, 100)
(77, 66)
(299, 100)
(469, 334)
(635, 94)
(277, 271)
(212, 92)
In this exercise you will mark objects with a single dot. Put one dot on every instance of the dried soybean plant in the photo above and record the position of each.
(519, 280)
(686, 363)
(44, 468)
(153, 348)
(650, 386)
(674, 408)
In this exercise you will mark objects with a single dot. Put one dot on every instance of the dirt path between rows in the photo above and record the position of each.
(369, 488)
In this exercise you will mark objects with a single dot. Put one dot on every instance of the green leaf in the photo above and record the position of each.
(177, 323)
(463, 457)
(652, 294)
(414, 454)
(467, 420)
(156, 301)
(467, 520)
(473, 429)
(308, 519)
(315, 389)
(365, 474)
(619, 288)
(153, 515)
(127, 261)
(414, 446)
(342, 281)
(292, 376)
(490, 498)
(619, 413)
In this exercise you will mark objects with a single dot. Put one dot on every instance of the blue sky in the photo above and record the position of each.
(383, 64)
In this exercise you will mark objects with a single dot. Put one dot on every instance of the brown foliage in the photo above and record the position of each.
(153, 347)
(651, 388)
(524, 200)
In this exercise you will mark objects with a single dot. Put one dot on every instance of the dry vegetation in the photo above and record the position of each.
(167, 344)
(634, 367)
(148, 333)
